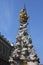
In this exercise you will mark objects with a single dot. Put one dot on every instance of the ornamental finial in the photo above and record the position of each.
(23, 15)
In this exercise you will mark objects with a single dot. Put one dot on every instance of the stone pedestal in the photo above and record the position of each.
(32, 63)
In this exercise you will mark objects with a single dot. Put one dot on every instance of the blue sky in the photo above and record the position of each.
(9, 14)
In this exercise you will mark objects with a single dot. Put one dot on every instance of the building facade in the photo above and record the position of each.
(5, 50)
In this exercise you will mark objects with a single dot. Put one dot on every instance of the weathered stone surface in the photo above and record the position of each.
(24, 49)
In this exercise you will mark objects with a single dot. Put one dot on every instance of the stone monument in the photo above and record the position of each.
(23, 54)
